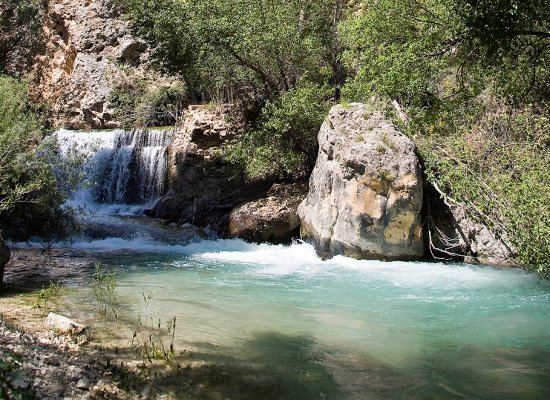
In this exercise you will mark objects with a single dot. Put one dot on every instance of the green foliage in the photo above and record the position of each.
(421, 52)
(20, 34)
(499, 166)
(284, 144)
(29, 199)
(104, 288)
(140, 103)
(240, 48)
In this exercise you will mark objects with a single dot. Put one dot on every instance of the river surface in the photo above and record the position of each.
(340, 328)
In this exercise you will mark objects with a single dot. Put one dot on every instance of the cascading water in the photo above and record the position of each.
(118, 167)
(115, 175)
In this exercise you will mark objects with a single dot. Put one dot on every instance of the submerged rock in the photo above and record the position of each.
(366, 191)
(271, 219)
(63, 324)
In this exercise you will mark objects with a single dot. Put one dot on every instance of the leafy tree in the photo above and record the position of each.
(274, 56)
(422, 51)
(284, 144)
(29, 199)
(241, 48)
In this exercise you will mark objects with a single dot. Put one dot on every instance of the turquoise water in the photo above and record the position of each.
(343, 328)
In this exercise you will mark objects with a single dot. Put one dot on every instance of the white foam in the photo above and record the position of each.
(300, 259)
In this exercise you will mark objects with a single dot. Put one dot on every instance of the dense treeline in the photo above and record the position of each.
(30, 198)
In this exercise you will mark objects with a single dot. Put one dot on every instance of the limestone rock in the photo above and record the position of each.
(271, 219)
(5, 256)
(365, 193)
(84, 41)
(202, 185)
(63, 324)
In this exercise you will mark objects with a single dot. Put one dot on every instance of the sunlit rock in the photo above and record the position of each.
(365, 193)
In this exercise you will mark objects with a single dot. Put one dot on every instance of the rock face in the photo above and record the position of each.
(85, 40)
(365, 193)
(273, 218)
(202, 185)
(453, 234)
(5, 256)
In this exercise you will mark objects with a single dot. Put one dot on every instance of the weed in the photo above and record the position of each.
(46, 294)
(388, 142)
(154, 343)
(104, 288)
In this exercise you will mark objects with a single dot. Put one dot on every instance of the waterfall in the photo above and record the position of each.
(117, 167)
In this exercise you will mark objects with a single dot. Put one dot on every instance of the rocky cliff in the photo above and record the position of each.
(86, 43)
(365, 193)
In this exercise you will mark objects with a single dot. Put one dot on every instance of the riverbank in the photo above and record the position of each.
(44, 365)
(36, 361)
(105, 361)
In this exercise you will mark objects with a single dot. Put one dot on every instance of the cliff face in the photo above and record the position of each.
(86, 42)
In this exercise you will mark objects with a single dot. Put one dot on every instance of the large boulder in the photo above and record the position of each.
(365, 193)
(273, 218)
(5, 256)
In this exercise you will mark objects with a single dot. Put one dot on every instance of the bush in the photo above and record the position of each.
(141, 103)
(30, 203)
(495, 159)
(284, 143)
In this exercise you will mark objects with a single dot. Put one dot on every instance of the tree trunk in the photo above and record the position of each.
(5, 256)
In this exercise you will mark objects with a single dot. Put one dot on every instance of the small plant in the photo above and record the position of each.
(156, 343)
(46, 294)
(387, 175)
(359, 138)
(150, 341)
(104, 288)
(388, 142)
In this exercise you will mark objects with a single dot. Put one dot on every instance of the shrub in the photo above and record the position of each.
(495, 159)
(140, 103)
(284, 143)
(30, 203)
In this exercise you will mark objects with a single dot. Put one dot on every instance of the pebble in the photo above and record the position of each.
(83, 384)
